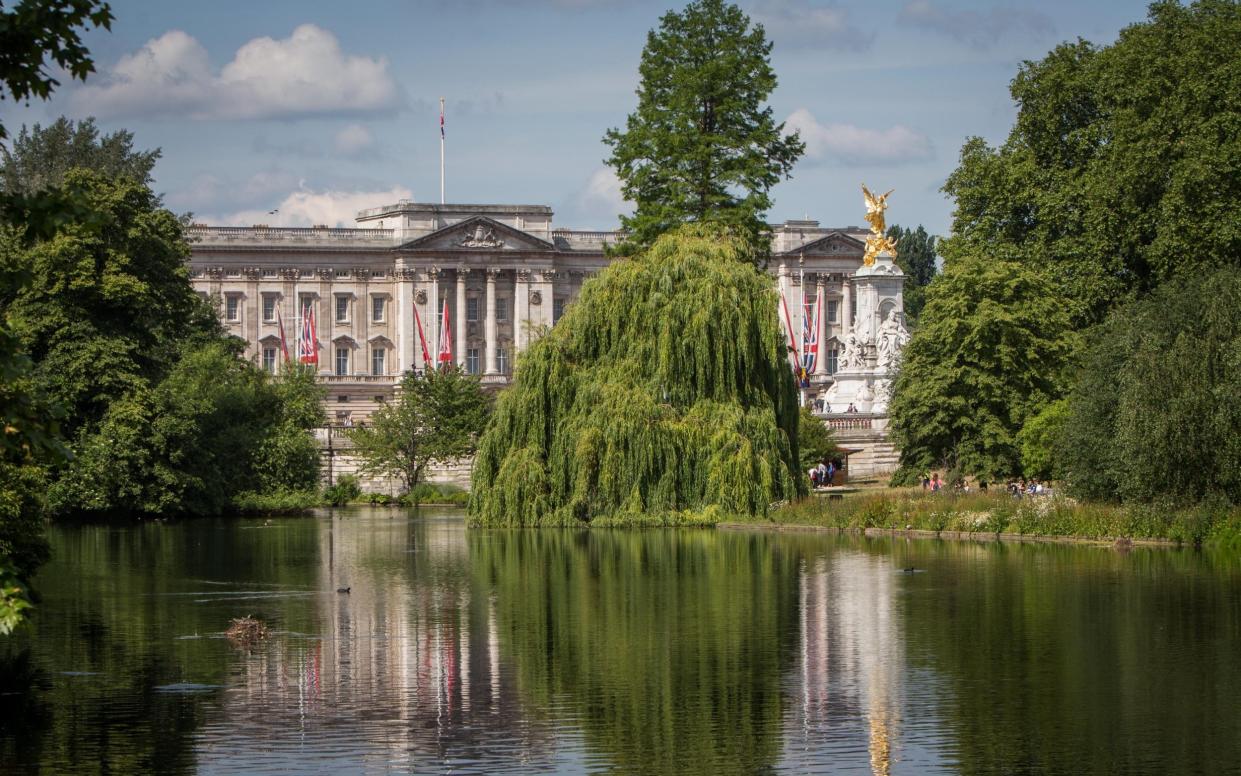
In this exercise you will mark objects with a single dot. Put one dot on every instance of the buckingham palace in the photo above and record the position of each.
(503, 273)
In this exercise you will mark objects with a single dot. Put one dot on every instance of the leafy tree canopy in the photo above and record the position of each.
(987, 354)
(915, 253)
(1124, 165)
(664, 390)
(110, 305)
(815, 439)
(37, 33)
(436, 418)
(40, 156)
(702, 146)
(1156, 412)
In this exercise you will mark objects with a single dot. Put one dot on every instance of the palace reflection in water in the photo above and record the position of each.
(697, 651)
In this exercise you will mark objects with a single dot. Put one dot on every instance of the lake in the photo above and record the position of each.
(619, 651)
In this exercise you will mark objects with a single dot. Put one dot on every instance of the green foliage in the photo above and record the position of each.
(437, 417)
(280, 502)
(40, 157)
(345, 490)
(188, 445)
(915, 253)
(1124, 165)
(434, 493)
(287, 458)
(702, 147)
(110, 303)
(1040, 440)
(1156, 408)
(815, 439)
(1212, 524)
(32, 32)
(665, 388)
(986, 355)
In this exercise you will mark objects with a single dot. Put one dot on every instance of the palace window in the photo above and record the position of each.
(377, 309)
(501, 310)
(269, 307)
(304, 301)
(557, 309)
(502, 360)
(471, 309)
(471, 360)
(269, 360)
(232, 308)
(833, 306)
(342, 309)
(377, 361)
(342, 362)
(833, 356)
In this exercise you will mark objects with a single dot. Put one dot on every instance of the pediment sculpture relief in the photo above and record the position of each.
(481, 237)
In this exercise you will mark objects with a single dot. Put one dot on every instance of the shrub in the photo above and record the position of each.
(345, 490)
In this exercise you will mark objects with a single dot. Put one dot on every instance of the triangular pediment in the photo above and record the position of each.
(834, 244)
(479, 233)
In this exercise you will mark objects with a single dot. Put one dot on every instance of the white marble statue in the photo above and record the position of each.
(852, 356)
(891, 339)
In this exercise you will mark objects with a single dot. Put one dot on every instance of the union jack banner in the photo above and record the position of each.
(308, 343)
(445, 354)
(810, 335)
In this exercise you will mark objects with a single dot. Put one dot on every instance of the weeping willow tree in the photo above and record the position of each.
(663, 395)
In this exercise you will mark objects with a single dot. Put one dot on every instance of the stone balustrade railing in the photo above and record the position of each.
(848, 420)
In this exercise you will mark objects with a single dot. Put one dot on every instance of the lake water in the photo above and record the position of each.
(659, 651)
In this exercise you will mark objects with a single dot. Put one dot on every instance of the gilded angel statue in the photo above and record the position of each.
(875, 205)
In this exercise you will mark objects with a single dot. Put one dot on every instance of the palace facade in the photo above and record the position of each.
(504, 273)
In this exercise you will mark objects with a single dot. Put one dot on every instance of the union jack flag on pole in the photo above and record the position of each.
(810, 335)
(308, 343)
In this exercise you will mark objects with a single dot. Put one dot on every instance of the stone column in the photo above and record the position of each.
(521, 312)
(403, 318)
(541, 313)
(490, 330)
(460, 324)
(846, 305)
(820, 364)
(431, 323)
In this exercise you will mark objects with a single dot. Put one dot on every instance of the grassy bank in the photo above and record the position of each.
(300, 502)
(990, 514)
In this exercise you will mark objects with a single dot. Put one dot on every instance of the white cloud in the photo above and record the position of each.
(801, 23)
(353, 141)
(976, 28)
(306, 207)
(600, 200)
(304, 74)
(850, 144)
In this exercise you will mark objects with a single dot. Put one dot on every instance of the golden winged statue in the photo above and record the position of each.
(878, 241)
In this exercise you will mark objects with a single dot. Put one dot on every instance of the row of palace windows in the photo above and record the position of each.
(379, 306)
(379, 361)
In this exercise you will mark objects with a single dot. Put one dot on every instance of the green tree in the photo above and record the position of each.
(814, 438)
(41, 156)
(1041, 444)
(1124, 164)
(915, 253)
(701, 145)
(436, 418)
(1155, 411)
(110, 305)
(987, 354)
(288, 456)
(664, 390)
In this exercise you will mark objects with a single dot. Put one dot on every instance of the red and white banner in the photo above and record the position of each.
(308, 342)
(445, 354)
(422, 338)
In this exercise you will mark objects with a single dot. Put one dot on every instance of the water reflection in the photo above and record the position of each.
(695, 652)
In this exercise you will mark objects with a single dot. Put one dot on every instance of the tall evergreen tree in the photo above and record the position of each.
(40, 156)
(915, 253)
(702, 146)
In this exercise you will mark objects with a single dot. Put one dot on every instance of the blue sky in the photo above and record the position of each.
(320, 108)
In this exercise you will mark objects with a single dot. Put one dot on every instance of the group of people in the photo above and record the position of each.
(1019, 488)
(821, 476)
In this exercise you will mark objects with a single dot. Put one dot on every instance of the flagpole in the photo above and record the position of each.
(441, 150)
(801, 366)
